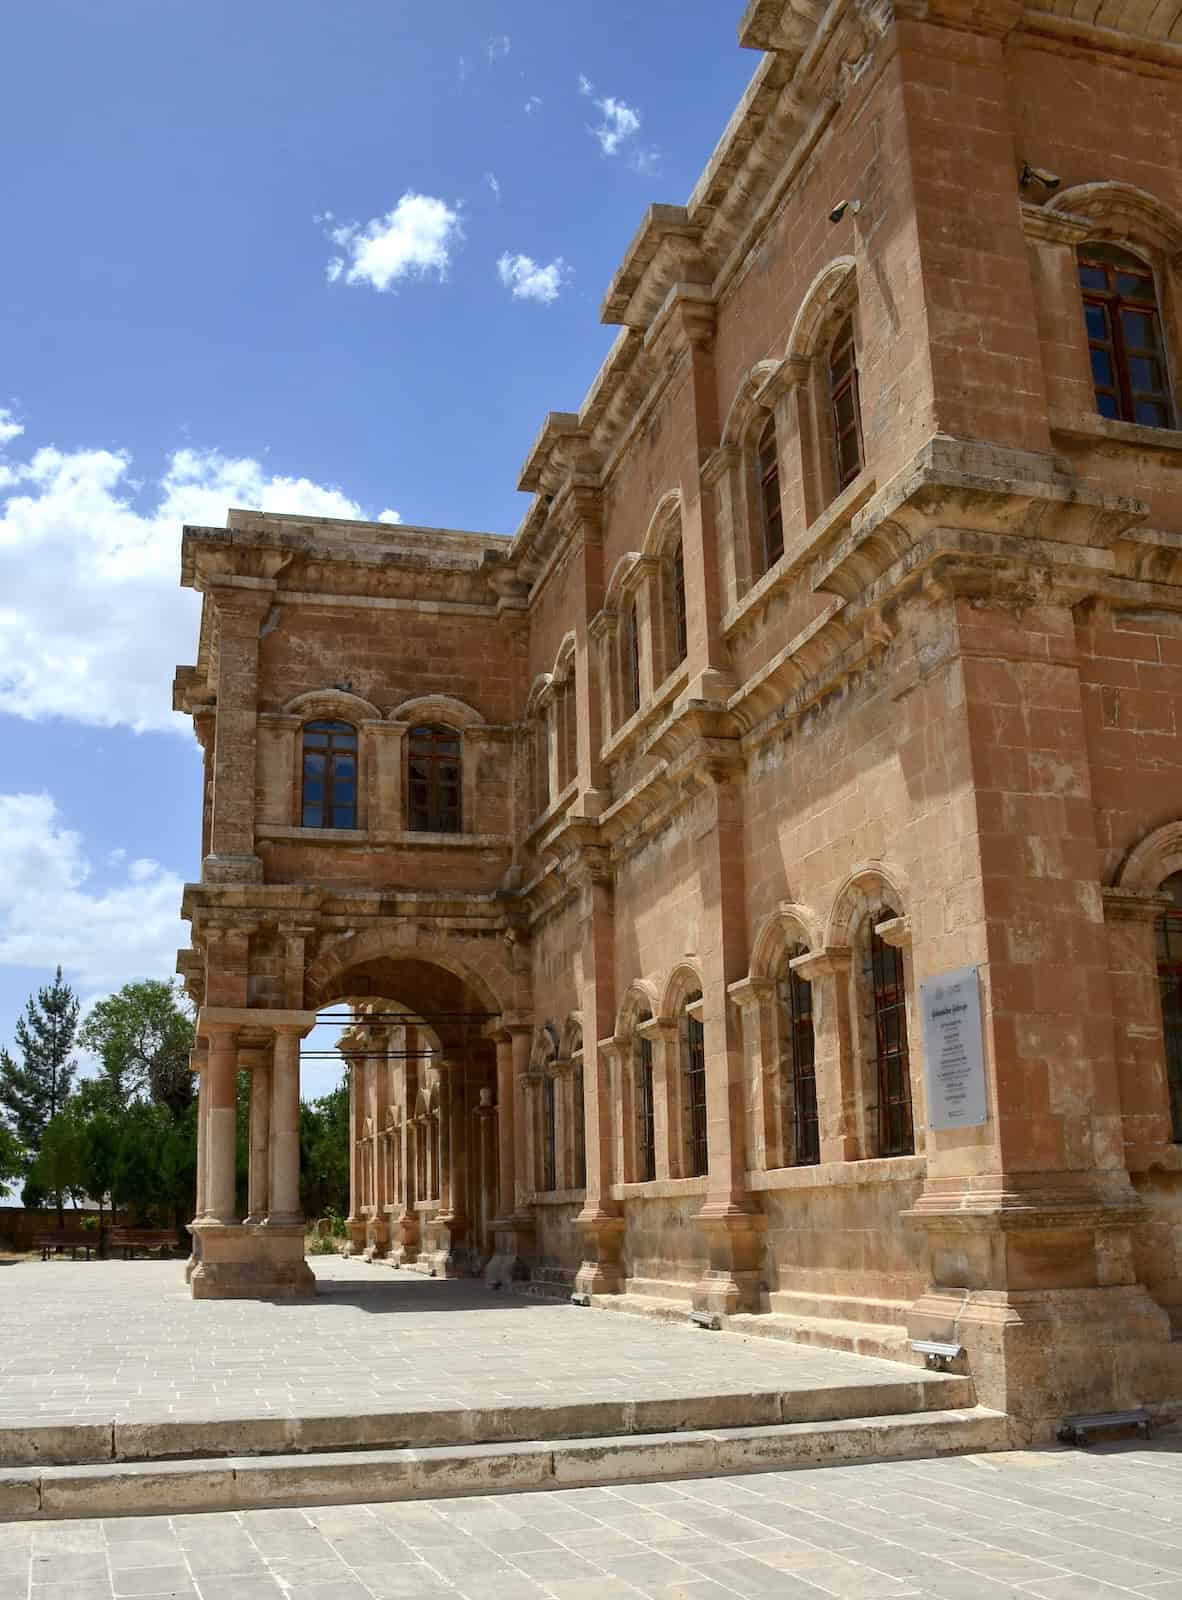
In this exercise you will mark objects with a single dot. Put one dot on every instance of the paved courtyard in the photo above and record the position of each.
(99, 1341)
(1064, 1525)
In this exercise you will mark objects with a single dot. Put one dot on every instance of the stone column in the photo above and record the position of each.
(259, 1193)
(663, 1038)
(240, 611)
(221, 1115)
(767, 1126)
(200, 1062)
(513, 1224)
(285, 1130)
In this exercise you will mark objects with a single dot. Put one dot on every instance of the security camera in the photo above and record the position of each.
(842, 206)
(1029, 175)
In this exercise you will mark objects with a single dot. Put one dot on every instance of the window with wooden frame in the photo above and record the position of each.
(434, 780)
(1124, 336)
(771, 509)
(645, 1110)
(566, 730)
(629, 662)
(549, 1134)
(693, 1048)
(580, 1125)
(677, 600)
(845, 406)
(1169, 985)
(896, 1133)
(540, 756)
(329, 783)
(799, 1057)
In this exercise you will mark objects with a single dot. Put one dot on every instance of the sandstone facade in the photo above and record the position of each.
(840, 647)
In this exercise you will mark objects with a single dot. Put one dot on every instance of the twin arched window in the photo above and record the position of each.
(1169, 982)
(1124, 336)
(328, 796)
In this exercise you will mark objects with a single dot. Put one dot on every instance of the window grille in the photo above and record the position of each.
(1169, 983)
(896, 1135)
(694, 1043)
(646, 1125)
(1124, 336)
(434, 780)
(549, 1135)
(796, 1022)
(680, 617)
(580, 1122)
(329, 789)
(631, 662)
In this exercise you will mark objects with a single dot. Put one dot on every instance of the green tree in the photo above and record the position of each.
(58, 1167)
(324, 1153)
(12, 1157)
(143, 1036)
(33, 1091)
(99, 1155)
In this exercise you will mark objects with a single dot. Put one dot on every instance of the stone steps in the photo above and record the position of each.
(115, 1488)
(86, 1443)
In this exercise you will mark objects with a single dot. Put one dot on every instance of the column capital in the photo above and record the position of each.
(750, 992)
(834, 961)
(211, 1017)
(896, 932)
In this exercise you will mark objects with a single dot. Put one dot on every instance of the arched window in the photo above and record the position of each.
(1169, 983)
(1124, 336)
(771, 510)
(896, 1134)
(799, 1057)
(434, 773)
(693, 1046)
(677, 596)
(846, 405)
(329, 791)
(646, 1122)
(549, 1134)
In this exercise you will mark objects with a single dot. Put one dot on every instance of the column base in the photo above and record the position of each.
(602, 1270)
(377, 1239)
(356, 1231)
(246, 1263)
(514, 1239)
(1039, 1287)
(733, 1281)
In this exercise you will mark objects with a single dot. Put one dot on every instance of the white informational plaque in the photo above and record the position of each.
(953, 1049)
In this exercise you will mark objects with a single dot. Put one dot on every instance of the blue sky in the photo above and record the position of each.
(334, 258)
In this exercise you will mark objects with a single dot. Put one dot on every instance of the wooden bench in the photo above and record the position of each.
(129, 1240)
(60, 1239)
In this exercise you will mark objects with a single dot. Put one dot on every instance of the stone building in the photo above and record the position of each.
(840, 649)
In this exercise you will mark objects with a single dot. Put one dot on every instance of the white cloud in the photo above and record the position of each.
(646, 162)
(9, 428)
(50, 911)
(494, 184)
(390, 516)
(619, 122)
(92, 618)
(534, 103)
(529, 281)
(498, 47)
(413, 240)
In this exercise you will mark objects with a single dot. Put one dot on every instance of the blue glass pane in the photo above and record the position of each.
(313, 791)
(1093, 277)
(345, 766)
(343, 817)
(1145, 374)
(1133, 287)
(315, 741)
(1101, 367)
(313, 762)
(343, 794)
(313, 816)
(1097, 322)
(1153, 414)
(1107, 407)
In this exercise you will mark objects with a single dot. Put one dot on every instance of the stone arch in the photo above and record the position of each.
(537, 693)
(1121, 211)
(683, 980)
(746, 405)
(486, 975)
(1154, 859)
(855, 899)
(787, 925)
(641, 995)
(623, 575)
(822, 300)
(331, 704)
(437, 708)
(665, 519)
(564, 661)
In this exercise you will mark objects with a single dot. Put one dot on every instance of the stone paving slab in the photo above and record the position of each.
(122, 1342)
(1054, 1524)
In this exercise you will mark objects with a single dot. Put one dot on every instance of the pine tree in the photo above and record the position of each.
(33, 1092)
